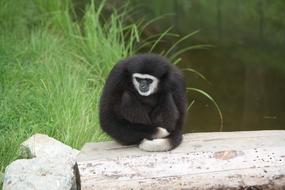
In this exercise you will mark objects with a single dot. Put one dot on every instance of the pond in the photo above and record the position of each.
(249, 94)
(245, 68)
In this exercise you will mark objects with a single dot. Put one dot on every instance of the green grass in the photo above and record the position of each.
(52, 69)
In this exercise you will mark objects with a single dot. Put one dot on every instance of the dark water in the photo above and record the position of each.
(245, 68)
(251, 95)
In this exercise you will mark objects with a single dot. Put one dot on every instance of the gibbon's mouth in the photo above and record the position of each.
(144, 87)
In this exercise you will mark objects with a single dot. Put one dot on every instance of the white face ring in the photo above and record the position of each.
(152, 87)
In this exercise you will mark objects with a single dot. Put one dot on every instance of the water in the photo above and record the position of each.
(245, 68)
(250, 95)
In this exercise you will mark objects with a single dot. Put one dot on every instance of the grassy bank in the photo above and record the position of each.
(52, 69)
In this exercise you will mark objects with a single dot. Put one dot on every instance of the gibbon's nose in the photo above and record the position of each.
(144, 86)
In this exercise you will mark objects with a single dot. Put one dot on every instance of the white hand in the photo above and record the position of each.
(160, 133)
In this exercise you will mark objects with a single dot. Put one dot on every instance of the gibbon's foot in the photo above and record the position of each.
(156, 145)
(159, 133)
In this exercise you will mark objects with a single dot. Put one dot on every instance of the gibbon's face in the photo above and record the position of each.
(145, 84)
(147, 73)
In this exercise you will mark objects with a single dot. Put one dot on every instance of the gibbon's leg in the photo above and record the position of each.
(127, 133)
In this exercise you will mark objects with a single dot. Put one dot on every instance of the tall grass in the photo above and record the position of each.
(52, 69)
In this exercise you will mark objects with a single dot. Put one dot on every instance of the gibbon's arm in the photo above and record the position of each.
(166, 114)
(133, 111)
(174, 103)
(171, 122)
(180, 99)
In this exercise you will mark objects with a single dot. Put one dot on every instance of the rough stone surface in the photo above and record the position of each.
(50, 167)
(40, 145)
(227, 160)
(39, 174)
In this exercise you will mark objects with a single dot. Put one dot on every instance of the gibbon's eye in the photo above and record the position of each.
(138, 79)
(148, 81)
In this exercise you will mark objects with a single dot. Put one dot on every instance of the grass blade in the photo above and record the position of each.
(201, 46)
(159, 39)
(190, 105)
(214, 102)
(197, 73)
(181, 40)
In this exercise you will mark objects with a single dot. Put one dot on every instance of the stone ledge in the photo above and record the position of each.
(227, 160)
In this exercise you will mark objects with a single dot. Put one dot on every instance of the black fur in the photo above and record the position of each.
(129, 117)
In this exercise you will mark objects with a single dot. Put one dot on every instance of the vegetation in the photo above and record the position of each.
(52, 69)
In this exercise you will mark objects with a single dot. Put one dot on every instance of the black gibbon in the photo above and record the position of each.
(144, 103)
